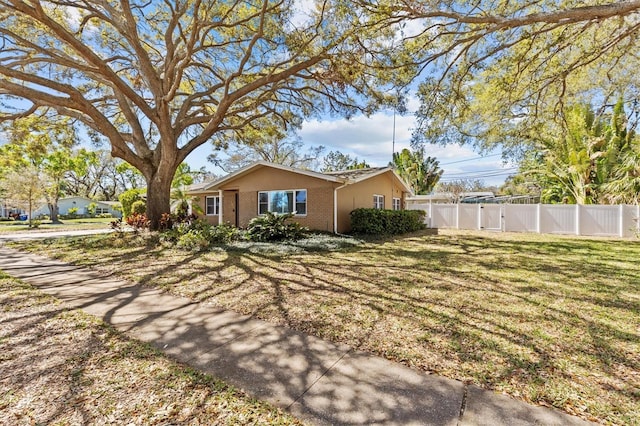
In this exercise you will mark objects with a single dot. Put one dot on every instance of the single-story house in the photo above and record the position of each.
(82, 204)
(320, 201)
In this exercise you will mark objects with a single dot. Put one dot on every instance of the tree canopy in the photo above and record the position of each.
(159, 79)
(420, 172)
(597, 160)
(499, 73)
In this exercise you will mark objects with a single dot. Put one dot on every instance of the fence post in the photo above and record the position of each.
(457, 215)
(621, 220)
(577, 219)
(479, 216)
(538, 211)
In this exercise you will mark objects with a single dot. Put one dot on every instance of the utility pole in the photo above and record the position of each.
(393, 137)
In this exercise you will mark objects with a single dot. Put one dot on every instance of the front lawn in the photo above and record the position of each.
(66, 225)
(550, 320)
(66, 367)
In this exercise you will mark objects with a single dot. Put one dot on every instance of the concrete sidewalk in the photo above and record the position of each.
(318, 381)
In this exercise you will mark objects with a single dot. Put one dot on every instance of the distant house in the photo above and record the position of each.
(320, 201)
(82, 204)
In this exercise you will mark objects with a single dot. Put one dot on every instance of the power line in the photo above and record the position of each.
(470, 159)
(494, 170)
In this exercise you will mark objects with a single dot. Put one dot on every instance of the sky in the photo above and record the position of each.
(370, 139)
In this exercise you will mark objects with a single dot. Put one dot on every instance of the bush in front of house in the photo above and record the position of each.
(127, 198)
(386, 222)
(139, 207)
(197, 235)
(274, 227)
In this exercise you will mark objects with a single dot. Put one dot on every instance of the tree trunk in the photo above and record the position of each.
(53, 212)
(158, 196)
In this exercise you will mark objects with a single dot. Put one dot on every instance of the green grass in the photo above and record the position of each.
(550, 320)
(66, 225)
(67, 367)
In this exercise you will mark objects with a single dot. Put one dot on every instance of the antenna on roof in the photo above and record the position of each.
(393, 137)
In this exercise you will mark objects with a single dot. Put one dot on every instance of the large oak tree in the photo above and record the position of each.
(157, 79)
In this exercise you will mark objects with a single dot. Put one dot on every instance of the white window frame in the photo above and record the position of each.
(295, 196)
(216, 205)
(396, 203)
(378, 201)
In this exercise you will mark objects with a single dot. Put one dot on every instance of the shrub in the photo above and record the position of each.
(105, 215)
(225, 233)
(117, 226)
(198, 235)
(138, 222)
(138, 207)
(386, 222)
(127, 198)
(91, 209)
(273, 227)
(195, 240)
(72, 213)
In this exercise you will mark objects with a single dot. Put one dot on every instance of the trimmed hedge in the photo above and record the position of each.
(386, 222)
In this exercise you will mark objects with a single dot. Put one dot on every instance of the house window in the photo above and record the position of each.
(212, 206)
(102, 210)
(290, 201)
(263, 202)
(378, 202)
(396, 203)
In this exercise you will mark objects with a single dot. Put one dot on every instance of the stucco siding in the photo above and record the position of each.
(359, 195)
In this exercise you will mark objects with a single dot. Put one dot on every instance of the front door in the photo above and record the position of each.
(230, 207)
(237, 208)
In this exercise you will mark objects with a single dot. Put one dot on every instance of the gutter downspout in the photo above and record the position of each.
(335, 208)
(219, 206)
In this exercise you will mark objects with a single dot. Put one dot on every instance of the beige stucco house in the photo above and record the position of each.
(320, 201)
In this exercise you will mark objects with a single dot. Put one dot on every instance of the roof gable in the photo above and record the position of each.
(260, 164)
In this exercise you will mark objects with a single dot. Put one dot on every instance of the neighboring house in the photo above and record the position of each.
(320, 201)
(82, 204)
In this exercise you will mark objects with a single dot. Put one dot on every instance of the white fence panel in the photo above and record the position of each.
(444, 216)
(557, 219)
(630, 221)
(600, 220)
(596, 220)
(491, 217)
(468, 216)
(521, 218)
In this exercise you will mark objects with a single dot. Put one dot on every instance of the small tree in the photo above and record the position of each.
(24, 188)
(422, 174)
(127, 199)
(336, 161)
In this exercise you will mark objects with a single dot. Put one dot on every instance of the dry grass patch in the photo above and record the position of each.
(67, 367)
(547, 319)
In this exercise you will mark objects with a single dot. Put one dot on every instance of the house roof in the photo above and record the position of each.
(343, 176)
(358, 174)
(206, 186)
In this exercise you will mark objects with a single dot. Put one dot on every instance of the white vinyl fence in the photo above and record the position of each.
(613, 221)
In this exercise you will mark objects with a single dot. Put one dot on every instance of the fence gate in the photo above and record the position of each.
(491, 217)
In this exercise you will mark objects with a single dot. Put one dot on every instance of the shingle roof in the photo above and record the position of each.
(356, 174)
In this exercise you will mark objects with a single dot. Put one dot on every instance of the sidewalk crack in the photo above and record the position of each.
(324, 373)
(464, 403)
